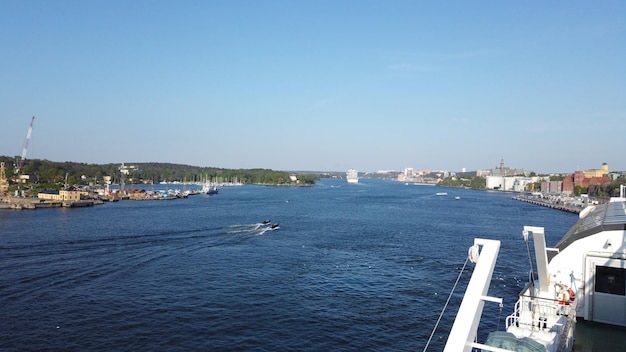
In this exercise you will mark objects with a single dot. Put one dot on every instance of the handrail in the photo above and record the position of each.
(549, 307)
(567, 334)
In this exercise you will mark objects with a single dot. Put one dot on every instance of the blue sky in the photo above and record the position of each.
(317, 85)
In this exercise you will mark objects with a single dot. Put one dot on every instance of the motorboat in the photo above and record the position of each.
(210, 189)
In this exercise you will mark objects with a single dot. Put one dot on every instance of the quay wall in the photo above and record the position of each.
(16, 203)
(550, 203)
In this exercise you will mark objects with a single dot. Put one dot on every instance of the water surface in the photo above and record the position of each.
(353, 267)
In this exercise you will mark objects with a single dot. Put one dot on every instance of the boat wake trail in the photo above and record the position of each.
(93, 257)
(255, 229)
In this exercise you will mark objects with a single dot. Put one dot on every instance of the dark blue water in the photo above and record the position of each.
(359, 267)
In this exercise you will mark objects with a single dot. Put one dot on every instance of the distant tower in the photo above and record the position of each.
(605, 169)
(502, 167)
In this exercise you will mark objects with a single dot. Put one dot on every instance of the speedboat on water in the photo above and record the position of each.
(583, 277)
(274, 226)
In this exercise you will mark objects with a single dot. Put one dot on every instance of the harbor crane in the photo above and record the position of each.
(21, 162)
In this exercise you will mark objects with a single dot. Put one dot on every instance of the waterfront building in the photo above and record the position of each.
(505, 171)
(521, 184)
(617, 175)
(483, 173)
(583, 181)
(552, 187)
(568, 184)
(511, 183)
(425, 175)
(603, 171)
(494, 182)
(64, 194)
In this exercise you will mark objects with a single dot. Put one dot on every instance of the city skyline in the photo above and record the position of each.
(317, 85)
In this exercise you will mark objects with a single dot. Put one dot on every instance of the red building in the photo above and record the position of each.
(568, 184)
(582, 181)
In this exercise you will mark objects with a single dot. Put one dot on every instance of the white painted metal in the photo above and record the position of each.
(463, 331)
(541, 255)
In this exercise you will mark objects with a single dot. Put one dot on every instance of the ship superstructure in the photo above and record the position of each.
(352, 176)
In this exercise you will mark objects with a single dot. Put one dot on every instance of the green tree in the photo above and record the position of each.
(307, 179)
(578, 190)
(51, 175)
(478, 183)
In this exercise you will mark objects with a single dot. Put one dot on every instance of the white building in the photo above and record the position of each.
(509, 183)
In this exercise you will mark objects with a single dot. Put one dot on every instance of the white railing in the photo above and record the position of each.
(542, 314)
(537, 313)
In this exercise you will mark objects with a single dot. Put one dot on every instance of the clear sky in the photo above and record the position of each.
(317, 85)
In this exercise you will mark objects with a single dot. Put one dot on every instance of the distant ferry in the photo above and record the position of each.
(353, 176)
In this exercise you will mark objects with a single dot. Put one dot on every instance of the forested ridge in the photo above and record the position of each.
(54, 173)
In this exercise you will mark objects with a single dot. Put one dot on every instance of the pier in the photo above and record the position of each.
(551, 203)
(17, 203)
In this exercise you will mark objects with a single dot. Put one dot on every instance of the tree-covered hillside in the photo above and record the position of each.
(52, 173)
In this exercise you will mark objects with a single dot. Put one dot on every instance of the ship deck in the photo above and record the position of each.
(597, 337)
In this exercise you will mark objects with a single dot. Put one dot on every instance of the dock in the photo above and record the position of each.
(16, 203)
(550, 203)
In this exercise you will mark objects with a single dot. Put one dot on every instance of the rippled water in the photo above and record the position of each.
(353, 267)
